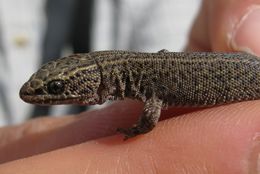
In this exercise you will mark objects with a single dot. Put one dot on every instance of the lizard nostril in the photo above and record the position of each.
(39, 91)
(22, 93)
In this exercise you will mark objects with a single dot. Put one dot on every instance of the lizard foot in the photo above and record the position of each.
(147, 121)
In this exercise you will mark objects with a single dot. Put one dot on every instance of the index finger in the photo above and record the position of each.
(224, 139)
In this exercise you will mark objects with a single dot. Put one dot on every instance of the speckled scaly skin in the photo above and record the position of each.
(158, 79)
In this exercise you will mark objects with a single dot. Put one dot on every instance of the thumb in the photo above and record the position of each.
(227, 25)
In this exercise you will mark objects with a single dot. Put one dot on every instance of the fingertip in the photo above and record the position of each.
(233, 26)
(244, 36)
(226, 26)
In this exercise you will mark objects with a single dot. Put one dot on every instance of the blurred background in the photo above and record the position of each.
(33, 32)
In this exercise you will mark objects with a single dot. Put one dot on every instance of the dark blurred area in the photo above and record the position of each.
(65, 27)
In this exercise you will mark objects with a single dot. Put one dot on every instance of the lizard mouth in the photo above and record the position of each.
(58, 100)
(50, 100)
(29, 95)
(46, 99)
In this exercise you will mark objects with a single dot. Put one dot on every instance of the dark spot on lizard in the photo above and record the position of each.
(56, 87)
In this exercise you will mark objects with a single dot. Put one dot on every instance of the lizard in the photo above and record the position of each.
(160, 79)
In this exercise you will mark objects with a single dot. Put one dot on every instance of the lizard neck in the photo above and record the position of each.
(118, 80)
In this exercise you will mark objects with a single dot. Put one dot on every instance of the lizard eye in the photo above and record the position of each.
(56, 87)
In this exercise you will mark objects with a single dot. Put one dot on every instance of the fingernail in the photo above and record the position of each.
(254, 159)
(246, 34)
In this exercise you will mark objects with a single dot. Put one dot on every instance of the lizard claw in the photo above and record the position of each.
(129, 132)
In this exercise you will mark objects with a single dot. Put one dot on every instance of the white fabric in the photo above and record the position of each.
(147, 25)
(21, 29)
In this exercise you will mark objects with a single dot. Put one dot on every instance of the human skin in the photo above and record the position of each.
(223, 139)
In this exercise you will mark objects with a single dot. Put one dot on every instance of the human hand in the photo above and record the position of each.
(223, 139)
(227, 25)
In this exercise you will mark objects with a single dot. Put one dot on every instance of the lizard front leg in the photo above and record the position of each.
(147, 121)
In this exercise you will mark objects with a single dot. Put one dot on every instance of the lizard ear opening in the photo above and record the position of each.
(56, 87)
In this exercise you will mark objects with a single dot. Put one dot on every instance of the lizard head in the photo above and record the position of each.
(74, 79)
